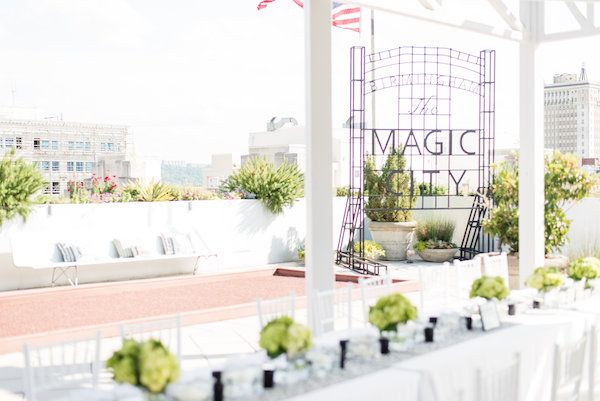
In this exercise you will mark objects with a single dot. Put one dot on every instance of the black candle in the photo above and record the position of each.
(343, 349)
(384, 344)
(512, 310)
(469, 322)
(268, 375)
(428, 334)
(217, 386)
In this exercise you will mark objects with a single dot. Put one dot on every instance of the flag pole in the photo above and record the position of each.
(373, 125)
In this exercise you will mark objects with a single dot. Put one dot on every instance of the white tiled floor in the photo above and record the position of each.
(204, 345)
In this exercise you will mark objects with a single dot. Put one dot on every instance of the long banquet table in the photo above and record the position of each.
(449, 373)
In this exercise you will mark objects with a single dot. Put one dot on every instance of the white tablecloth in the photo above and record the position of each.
(450, 373)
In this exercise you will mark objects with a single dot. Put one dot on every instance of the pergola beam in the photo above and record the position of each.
(464, 24)
(504, 12)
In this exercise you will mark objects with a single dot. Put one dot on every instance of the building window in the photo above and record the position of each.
(107, 147)
(70, 166)
(45, 145)
(19, 142)
(79, 167)
(36, 143)
(54, 145)
(45, 165)
(89, 167)
(55, 166)
(55, 188)
(87, 146)
(71, 145)
(9, 143)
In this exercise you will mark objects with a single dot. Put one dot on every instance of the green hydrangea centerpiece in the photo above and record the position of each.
(146, 364)
(585, 268)
(390, 311)
(284, 336)
(489, 288)
(545, 279)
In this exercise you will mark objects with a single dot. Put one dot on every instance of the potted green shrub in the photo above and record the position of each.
(390, 199)
(565, 182)
(434, 240)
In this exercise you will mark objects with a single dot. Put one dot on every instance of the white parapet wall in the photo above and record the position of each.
(242, 232)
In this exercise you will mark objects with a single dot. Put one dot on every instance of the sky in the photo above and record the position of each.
(192, 78)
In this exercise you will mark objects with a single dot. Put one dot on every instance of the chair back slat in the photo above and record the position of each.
(270, 309)
(61, 366)
(436, 285)
(496, 265)
(334, 309)
(568, 369)
(371, 289)
(168, 331)
(466, 271)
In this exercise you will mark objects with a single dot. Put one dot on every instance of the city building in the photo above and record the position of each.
(285, 141)
(180, 172)
(221, 167)
(62, 150)
(572, 115)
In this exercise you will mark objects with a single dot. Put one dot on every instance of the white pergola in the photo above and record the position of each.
(527, 27)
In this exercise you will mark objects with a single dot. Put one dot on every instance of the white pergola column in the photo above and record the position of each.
(318, 179)
(531, 131)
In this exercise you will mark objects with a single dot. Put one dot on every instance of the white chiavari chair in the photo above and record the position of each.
(52, 370)
(496, 265)
(371, 289)
(568, 370)
(334, 309)
(270, 309)
(594, 363)
(435, 287)
(499, 384)
(467, 271)
(167, 330)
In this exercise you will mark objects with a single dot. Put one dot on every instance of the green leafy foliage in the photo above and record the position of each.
(426, 189)
(390, 311)
(435, 233)
(149, 192)
(284, 336)
(565, 182)
(545, 278)
(489, 288)
(584, 269)
(275, 187)
(436, 229)
(373, 250)
(148, 364)
(300, 251)
(19, 182)
(390, 196)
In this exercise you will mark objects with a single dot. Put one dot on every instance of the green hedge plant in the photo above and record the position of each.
(390, 193)
(20, 181)
(565, 183)
(276, 187)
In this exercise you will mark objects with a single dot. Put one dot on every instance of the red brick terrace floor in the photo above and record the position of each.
(35, 311)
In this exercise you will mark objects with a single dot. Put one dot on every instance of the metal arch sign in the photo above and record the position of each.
(435, 105)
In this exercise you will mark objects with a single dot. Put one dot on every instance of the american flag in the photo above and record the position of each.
(342, 15)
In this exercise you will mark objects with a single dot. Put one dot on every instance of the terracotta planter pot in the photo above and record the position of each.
(437, 255)
(393, 237)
